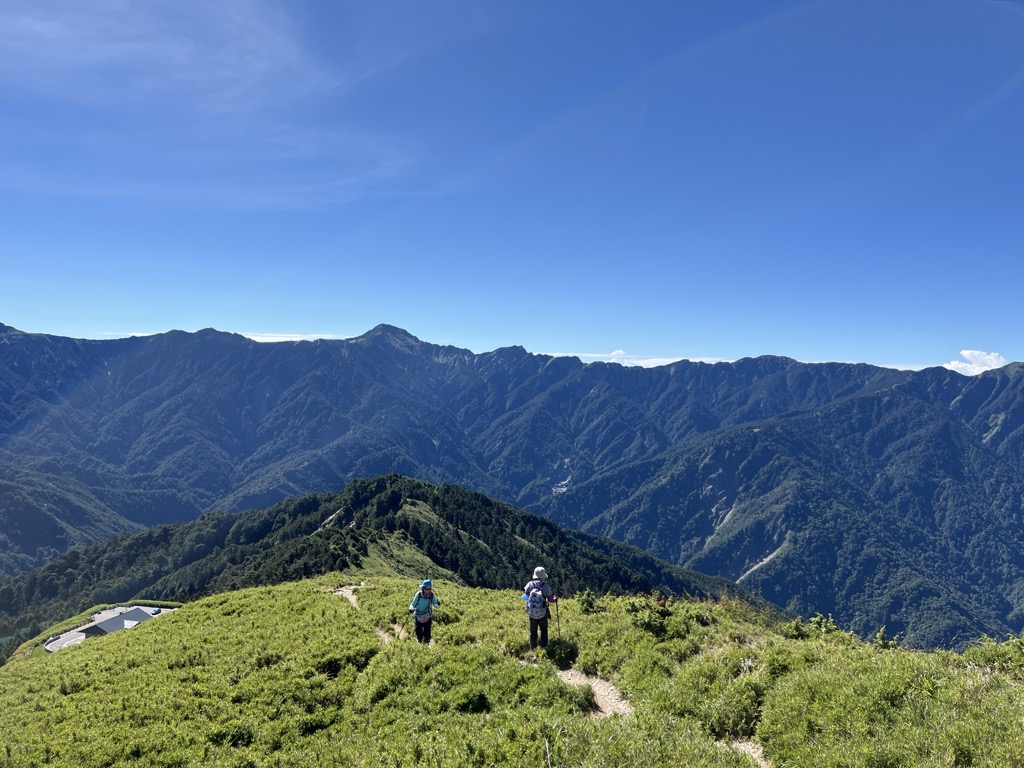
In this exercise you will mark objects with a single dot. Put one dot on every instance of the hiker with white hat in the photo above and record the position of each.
(538, 594)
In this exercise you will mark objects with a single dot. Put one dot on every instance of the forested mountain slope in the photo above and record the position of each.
(879, 510)
(875, 494)
(386, 525)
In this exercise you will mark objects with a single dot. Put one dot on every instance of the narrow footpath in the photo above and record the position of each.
(349, 593)
(607, 697)
(753, 750)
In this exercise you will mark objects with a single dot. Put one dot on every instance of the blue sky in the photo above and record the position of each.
(828, 181)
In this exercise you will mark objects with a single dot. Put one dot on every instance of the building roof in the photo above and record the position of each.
(125, 620)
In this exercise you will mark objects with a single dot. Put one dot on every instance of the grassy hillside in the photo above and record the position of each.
(296, 675)
(384, 525)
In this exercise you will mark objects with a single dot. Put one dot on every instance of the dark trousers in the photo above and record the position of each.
(423, 630)
(542, 625)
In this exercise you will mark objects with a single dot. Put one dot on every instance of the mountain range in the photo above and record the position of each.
(881, 497)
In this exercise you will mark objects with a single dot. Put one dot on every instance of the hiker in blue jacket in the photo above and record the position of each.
(538, 594)
(422, 606)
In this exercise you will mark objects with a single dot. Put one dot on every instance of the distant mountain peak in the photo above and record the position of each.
(706, 465)
(391, 336)
(390, 331)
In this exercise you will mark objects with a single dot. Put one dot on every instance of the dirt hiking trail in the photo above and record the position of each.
(753, 750)
(349, 593)
(607, 697)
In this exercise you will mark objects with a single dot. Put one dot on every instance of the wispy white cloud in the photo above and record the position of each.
(271, 338)
(945, 134)
(209, 104)
(641, 361)
(975, 362)
(126, 334)
(223, 56)
(255, 174)
(619, 356)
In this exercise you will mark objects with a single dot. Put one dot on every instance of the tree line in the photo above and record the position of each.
(483, 542)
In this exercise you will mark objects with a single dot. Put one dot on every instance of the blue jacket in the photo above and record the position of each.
(422, 604)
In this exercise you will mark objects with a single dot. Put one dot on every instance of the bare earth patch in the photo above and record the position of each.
(754, 750)
(607, 697)
(399, 633)
(350, 593)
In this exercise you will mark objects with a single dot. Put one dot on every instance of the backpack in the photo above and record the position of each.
(536, 605)
(428, 614)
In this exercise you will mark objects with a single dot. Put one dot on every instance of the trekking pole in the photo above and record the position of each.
(558, 621)
(402, 630)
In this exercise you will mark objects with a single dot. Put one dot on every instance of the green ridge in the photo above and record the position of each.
(294, 675)
(385, 525)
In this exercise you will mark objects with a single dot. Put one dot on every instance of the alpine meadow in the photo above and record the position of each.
(647, 664)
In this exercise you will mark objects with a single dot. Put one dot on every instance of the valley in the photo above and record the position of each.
(881, 497)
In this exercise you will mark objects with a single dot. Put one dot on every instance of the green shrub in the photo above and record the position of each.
(294, 675)
(794, 630)
(1006, 656)
(587, 602)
